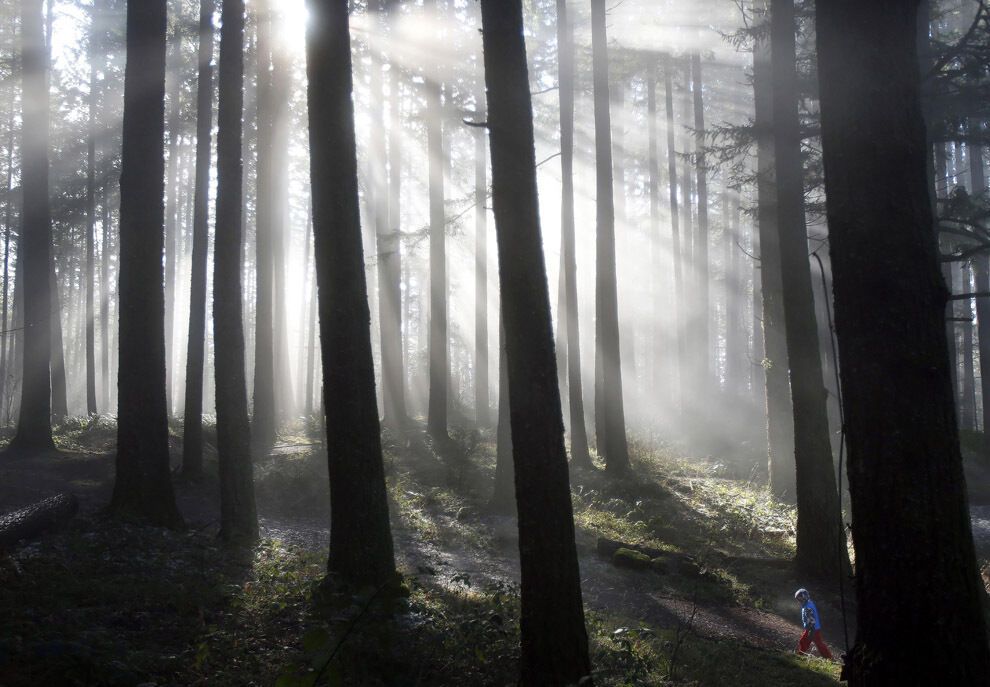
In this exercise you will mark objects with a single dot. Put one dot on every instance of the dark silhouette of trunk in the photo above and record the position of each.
(565, 59)
(360, 536)
(909, 506)
(610, 415)
(143, 485)
(263, 422)
(554, 640)
(393, 259)
(105, 297)
(821, 540)
(968, 401)
(60, 396)
(780, 418)
(504, 495)
(238, 514)
(482, 406)
(34, 429)
(679, 296)
(192, 441)
(387, 234)
(91, 407)
(6, 342)
(439, 354)
(702, 315)
(281, 89)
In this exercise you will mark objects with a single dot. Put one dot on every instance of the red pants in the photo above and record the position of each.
(815, 636)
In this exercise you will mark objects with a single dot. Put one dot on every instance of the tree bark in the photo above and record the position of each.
(360, 536)
(91, 407)
(192, 442)
(554, 640)
(143, 485)
(612, 417)
(679, 296)
(911, 522)
(34, 429)
(981, 271)
(482, 406)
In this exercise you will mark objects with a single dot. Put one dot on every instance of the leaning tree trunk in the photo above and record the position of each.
(580, 454)
(916, 570)
(143, 486)
(192, 440)
(554, 640)
(612, 415)
(34, 428)
(821, 539)
(360, 535)
(238, 514)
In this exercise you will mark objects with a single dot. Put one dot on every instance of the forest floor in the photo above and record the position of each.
(114, 603)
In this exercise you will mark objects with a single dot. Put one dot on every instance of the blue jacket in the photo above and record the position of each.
(809, 616)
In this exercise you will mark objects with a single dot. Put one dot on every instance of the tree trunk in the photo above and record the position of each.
(263, 425)
(238, 513)
(192, 441)
(679, 296)
(981, 270)
(360, 536)
(612, 419)
(911, 522)
(482, 406)
(780, 418)
(34, 428)
(580, 455)
(439, 354)
(657, 350)
(91, 408)
(143, 486)
(554, 640)
(701, 271)
(60, 394)
(968, 402)
(173, 90)
(821, 540)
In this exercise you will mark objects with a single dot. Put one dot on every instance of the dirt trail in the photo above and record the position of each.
(629, 594)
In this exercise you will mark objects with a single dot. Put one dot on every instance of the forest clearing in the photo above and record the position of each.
(549, 343)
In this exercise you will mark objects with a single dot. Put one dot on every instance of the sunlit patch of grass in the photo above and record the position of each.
(94, 434)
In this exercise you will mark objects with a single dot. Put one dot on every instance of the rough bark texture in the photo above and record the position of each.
(780, 418)
(916, 571)
(580, 454)
(33, 520)
(554, 640)
(360, 536)
(143, 486)
(192, 440)
(34, 428)
(610, 415)
(821, 540)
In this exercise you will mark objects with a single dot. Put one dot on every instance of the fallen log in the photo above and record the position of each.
(30, 521)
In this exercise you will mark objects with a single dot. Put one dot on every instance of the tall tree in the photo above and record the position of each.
(439, 353)
(780, 419)
(192, 439)
(91, 100)
(703, 375)
(610, 415)
(263, 426)
(679, 302)
(821, 540)
(554, 640)
(482, 406)
(143, 485)
(360, 535)
(981, 272)
(565, 64)
(238, 516)
(911, 522)
(34, 427)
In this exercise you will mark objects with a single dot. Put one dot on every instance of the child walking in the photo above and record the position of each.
(812, 625)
